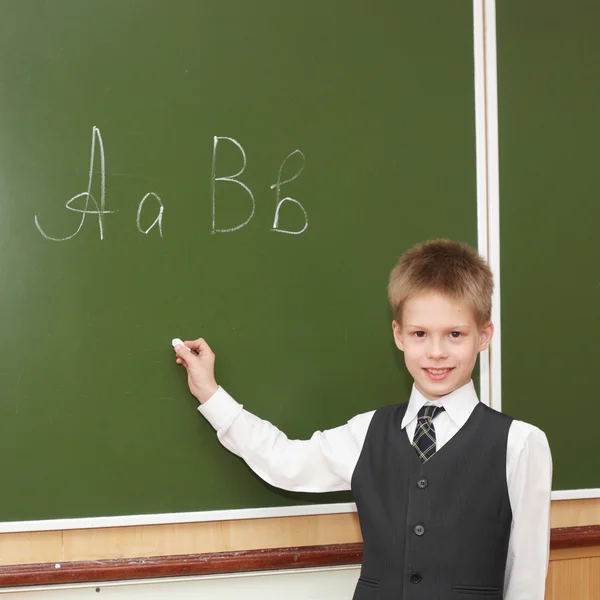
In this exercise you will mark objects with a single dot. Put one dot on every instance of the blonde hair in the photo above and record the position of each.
(447, 267)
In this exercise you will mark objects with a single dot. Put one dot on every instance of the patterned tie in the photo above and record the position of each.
(424, 440)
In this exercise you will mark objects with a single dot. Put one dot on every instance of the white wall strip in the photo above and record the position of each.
(481, 168)
(488, 197)
(493, 193)
(576, 494)
(168, 518)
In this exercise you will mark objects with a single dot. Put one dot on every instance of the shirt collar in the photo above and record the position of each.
(459, 404)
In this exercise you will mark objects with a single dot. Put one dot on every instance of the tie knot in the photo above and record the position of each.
(429, 412)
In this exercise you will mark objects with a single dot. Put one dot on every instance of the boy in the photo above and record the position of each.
(457, 504)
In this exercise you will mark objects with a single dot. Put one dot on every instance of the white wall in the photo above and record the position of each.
(303, 584)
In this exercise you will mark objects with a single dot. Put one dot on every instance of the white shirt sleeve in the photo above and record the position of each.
(529, 477)
(324, 463)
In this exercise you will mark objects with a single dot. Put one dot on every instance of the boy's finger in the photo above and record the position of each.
(200, 345)
(183, 351)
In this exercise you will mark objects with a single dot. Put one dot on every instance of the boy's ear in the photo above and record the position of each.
(397, 329)
(487, 332)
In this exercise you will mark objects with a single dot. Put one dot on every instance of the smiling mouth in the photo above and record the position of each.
(438, 374)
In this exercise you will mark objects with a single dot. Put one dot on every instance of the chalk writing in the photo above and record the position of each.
(157, 221)
(231, 178)
(277, 187)
(100, 210)
(91, 206)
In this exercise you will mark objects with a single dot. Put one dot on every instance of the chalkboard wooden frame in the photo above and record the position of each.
(227, 562)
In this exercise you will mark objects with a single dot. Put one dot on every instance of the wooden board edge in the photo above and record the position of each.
(227, 562)
(575, 537)
(180, 566)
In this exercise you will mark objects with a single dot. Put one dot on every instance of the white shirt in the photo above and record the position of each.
(325, 463)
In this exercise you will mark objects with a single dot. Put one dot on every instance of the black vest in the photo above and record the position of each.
(437, 530)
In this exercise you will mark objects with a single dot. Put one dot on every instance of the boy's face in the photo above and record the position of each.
(440, 340)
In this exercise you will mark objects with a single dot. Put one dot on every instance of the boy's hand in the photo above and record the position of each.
(200, 368)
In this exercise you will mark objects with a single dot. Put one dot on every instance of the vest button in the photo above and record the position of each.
(422, 483)
(415, 578)
(419, 530)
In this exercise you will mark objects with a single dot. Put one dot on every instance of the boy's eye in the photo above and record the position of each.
(419, 334)
(455, 334)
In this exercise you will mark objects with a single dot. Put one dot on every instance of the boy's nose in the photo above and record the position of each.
(436, 351)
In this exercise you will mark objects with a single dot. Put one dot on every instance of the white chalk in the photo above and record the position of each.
(178, 342)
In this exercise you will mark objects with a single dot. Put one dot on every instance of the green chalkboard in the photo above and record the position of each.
(365, 109)
(549, 126)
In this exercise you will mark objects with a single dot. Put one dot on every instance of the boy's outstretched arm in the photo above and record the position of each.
(324, 463)
(529, 485)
